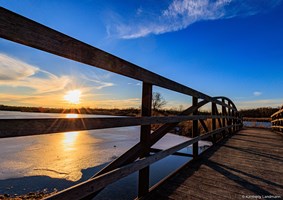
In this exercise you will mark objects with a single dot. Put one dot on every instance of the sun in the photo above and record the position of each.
(73, 96)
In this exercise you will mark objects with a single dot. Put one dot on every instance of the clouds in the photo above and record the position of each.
(256, 93)
(180, 14)
(97, 83)
(22, 83)
(16, 73)
(12, 69)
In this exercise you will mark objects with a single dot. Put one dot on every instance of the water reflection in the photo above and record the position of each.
(69, 140)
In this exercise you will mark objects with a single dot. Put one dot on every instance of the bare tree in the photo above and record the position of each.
(157, 101)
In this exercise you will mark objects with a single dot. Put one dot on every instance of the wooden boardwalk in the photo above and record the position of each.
(248, 165)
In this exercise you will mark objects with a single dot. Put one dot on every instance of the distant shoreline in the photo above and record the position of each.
(82, 110)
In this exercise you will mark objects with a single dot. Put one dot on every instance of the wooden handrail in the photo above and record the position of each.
(26, 127)
(30, 33)
(277, 121)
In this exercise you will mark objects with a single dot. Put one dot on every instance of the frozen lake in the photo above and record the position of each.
(63, 159)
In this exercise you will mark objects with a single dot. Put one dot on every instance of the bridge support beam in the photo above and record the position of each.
(223, 119)
(195, 131)
(145, 138)
(213, 124)
(229, 120)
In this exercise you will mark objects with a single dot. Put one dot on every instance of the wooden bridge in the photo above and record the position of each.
(246, 162)
(247, 165)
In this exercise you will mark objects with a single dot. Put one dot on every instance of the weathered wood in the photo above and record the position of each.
(213, 123)
(277, 113)
(145, 138)
(203, 125)
(217, 114)
(221, 175)
(24, 127)
(277, 121)
(223, 119)
(229, 120)
(195, 130)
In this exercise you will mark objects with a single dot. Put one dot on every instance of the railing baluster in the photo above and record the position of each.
(229, 120)
(145, 138)
(223, 119)
(195, 131)
(213, 124)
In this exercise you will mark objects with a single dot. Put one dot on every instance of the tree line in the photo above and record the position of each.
(258, 112)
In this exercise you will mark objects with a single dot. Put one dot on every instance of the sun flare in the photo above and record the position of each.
(73, 96)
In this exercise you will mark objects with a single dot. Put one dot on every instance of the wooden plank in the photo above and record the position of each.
(231, 173)
(203, 125)
(146, 109)
(25, 127)
(217, 114)
(195, 130)
(213, 124)
(277, 113)
(224, 112)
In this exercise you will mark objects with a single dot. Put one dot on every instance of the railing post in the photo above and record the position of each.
(213, 123)
(195, 131)
(229, 120)
(145, 138)
(233, 122)
(223, 114)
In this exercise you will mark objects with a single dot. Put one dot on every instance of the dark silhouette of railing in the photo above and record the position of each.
(225, 118)
(277, 121)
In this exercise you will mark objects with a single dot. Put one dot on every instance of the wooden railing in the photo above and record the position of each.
(224, 116)
(277, 121)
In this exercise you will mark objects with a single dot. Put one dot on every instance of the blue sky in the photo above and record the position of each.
(230, 48)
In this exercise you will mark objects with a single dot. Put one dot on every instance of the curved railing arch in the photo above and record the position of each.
(27, 32)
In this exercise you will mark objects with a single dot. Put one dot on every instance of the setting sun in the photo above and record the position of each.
(73, 96)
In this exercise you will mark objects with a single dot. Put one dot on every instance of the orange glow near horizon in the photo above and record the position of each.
(73, 96)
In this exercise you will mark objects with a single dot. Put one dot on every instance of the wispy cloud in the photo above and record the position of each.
(44, 88)
(13, 69)
(181, 13)
(16, 73)
(98, 84)
(257, 93)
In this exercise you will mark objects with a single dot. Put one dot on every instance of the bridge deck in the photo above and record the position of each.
(248, 163)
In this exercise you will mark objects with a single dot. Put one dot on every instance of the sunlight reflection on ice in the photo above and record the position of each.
(69, 141)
